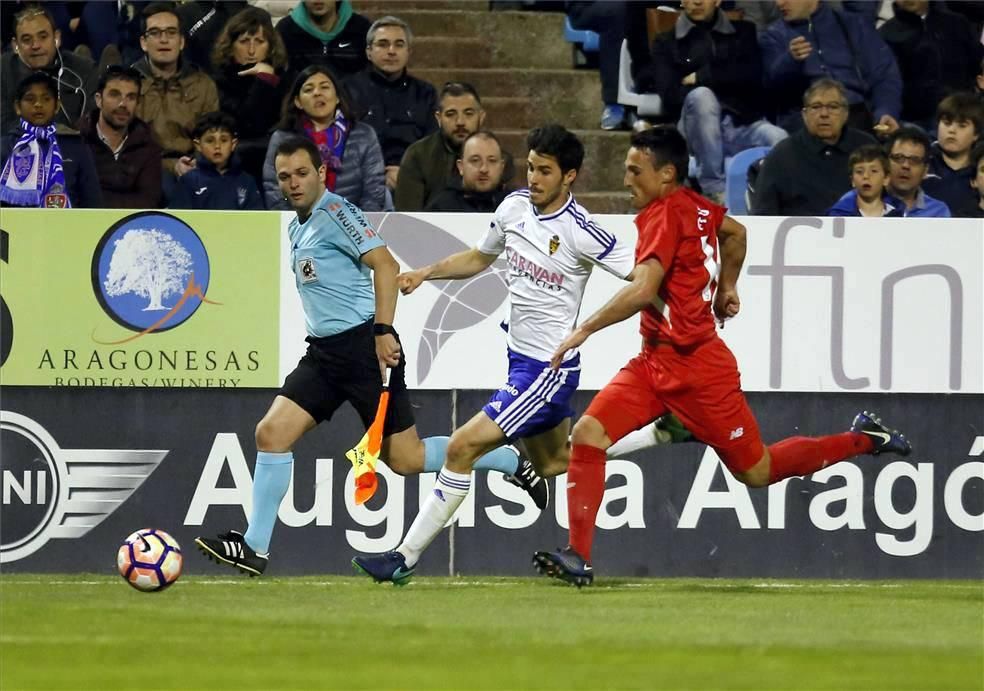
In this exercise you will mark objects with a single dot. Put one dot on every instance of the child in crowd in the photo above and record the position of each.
(960, 118)
(216, 181)
(869, 178)
(977, 182)
(42, 164)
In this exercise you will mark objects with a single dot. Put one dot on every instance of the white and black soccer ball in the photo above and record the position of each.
(149, 560)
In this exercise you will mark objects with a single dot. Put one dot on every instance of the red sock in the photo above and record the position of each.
(585, 488)
(805, 455)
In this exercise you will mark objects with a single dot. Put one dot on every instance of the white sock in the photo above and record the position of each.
(448, 493)
(640, 439)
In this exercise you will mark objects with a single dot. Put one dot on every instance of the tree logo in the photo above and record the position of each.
(150, 272)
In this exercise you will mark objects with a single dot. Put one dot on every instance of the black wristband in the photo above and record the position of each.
(383, 329)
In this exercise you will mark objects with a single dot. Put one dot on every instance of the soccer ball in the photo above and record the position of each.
(149, 560)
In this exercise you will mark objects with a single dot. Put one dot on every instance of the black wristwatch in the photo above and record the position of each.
(383, 329)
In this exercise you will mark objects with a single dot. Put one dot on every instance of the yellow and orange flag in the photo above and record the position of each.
(366, 452)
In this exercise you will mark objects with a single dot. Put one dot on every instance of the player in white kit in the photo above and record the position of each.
(551, 246)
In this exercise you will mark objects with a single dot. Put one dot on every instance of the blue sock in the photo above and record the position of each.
(504, 459)
(270, 481)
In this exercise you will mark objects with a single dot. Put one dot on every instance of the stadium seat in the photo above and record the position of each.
(588, 40)
(650, 105)
(736, 178)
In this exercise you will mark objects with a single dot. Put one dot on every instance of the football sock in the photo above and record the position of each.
(585, 489)
(448, 493)
(504, 459)
(639, 439)
(805, 455)
(270, 481)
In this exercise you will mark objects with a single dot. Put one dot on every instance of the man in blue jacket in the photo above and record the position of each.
(813, 41)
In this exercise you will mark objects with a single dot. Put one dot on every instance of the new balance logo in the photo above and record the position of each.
(737, 432)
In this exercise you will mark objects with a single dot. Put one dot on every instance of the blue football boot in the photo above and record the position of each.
(885, 440)
(388, 567)
(566, 565)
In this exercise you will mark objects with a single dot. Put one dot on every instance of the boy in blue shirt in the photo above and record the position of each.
(869, 178)
(216, 181)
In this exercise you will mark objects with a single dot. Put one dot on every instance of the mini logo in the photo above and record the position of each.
(150, 272)
(510, 389)
(496, 406)
(439, 494)
(345, 45)
(50, 492)
(306, 270)
(554, 244)
(737, 432)
(200, 191)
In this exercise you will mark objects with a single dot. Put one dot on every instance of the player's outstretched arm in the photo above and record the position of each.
(645, 278)
(384, 270)
(732, 244)
(461, 265)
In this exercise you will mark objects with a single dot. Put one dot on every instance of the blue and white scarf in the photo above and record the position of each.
(33, 175)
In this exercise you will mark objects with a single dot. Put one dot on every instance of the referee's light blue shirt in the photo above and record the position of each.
(335, 286)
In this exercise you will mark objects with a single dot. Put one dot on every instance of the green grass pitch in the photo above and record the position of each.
(333, 632)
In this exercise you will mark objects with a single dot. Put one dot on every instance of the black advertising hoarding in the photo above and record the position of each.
(83, 468)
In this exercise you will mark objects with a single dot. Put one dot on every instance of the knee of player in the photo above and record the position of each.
(589, 431)
(756, 477)
(461, 450)
(266, 437)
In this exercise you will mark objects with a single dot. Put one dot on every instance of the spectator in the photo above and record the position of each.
(979, 81)
(43, 164)
(174, 91)
(908, 156)
(325, 32)
(127, 159)
(318, 107)
(708, 70)
(481, 167)
(868, 166)
(217, 180)
(607, 19)
(977, 157)
(937, 54)
(205, 20)
(250, 62)
(814, 41)
(430, 165)
(960, 117)
(804, 174)
(37, 46)
(398, 106)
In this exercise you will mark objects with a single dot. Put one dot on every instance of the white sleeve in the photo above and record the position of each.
(494, 240)
(604, 249)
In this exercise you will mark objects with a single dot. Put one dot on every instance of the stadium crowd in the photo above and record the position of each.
(863, 115)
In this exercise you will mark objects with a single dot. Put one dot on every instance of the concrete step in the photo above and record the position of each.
(444, 22)
(374, 9)
(604, 157)
(443, 51)
(523, 113)
(604, 202)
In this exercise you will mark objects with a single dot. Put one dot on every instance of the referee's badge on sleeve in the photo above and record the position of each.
(306, 270)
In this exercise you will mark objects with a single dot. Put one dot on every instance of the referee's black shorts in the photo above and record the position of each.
(343, 367)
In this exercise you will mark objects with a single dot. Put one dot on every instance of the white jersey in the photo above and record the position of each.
(550, 259)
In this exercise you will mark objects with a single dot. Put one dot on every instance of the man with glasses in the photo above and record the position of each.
(174, 91)
(908, 161)
(37, 46)
(399, 107)
(806, 174)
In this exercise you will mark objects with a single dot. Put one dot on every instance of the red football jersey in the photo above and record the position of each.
(680, 231)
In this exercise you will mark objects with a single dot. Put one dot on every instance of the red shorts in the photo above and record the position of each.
(701, 386)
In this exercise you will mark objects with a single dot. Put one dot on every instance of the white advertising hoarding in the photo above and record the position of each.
(828, 305)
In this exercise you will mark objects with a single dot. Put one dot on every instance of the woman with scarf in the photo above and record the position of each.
(318, 107)
(43, 165)
(249, 62)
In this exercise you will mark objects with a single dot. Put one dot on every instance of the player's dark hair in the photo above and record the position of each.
(36, 78)
(557, 141)
(911, 135)
(665, 146)
(869, 153)
(962, 105)
(216, 120)
(456, 89)
(158, 8)
(291, 145)
(121, 72)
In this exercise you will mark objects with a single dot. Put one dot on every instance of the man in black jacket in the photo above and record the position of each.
(399, 107)
(325, 32)
(481, 167)
(937, 53)
(708, 70)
